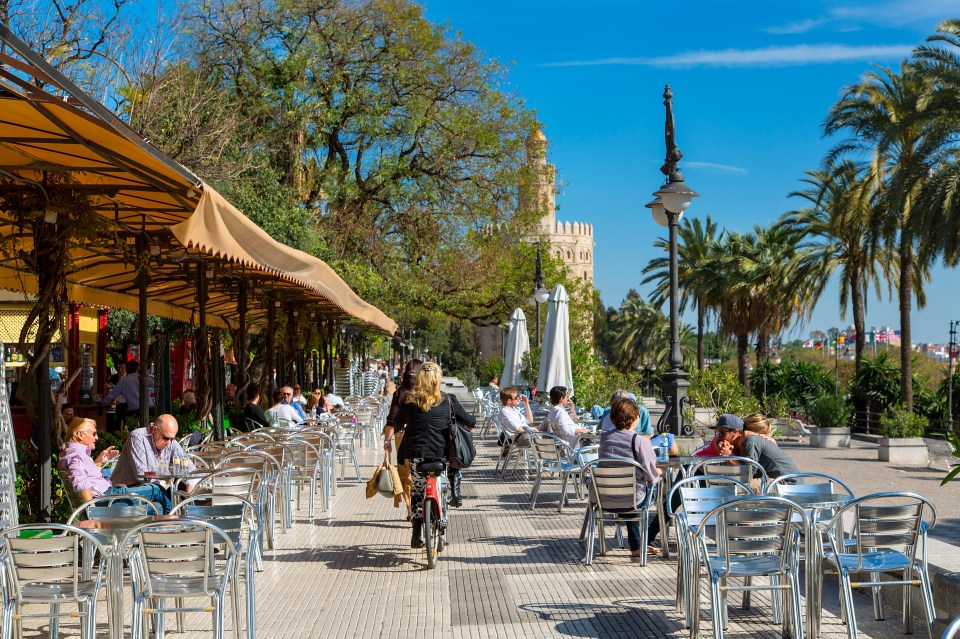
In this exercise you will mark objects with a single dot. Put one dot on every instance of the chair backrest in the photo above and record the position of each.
(699, 495)
(891, 520)
(237, 482)
(548, 448)
(105, 506)
(755, 525)
(744, 469)
(277, 450)
(613, 483)
(807, 484)
(235, 516)
(587, 454)
(197, 460)
(181, 547)
(35, 560)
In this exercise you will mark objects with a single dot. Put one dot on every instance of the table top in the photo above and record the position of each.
(677, 461)
(820, 500)
(199, 473)
(121, 523)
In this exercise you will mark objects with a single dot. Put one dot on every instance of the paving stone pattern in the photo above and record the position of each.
(508, 572)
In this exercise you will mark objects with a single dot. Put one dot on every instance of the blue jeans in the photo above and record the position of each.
(153, 492)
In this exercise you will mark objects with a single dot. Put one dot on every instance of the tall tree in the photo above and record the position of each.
(843, 241)
(694, 241)
(878, 113)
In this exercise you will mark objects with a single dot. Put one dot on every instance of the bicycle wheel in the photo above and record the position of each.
(430, 528)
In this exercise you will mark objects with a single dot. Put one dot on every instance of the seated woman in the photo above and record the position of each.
(82, 472)
(625, 442)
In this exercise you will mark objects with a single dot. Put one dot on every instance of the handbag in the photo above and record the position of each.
(383, 480)
(460, 448)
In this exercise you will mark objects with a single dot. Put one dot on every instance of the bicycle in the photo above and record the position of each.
(434, 499)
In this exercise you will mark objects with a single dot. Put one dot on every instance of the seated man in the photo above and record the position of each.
(252, 410)
(149, 449)
(732, 440)
(513, 416)
(83, 472)
(289, 398)
(281, 410)
(335, 400)
(561, 420)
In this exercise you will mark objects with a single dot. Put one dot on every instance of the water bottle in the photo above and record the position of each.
(664, 447)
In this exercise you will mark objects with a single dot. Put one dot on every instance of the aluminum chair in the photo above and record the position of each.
(553, 456)
(699, 496)
(238, 518)
(952, 630)
(307, 465)
(613, 497)
(272, 474)
(513, 452)
(284, 456)
(174, 560)
(49, 572)
(889, 531)
(745, 469)
(755, 537)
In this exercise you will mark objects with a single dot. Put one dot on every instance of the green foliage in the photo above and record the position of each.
(829, 411)
(718, 388)
(954, 468)
(898, 422)
(491, 368)
(28, 487)
(877, 383)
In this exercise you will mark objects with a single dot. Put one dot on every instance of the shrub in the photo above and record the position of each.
(829, 411)
(718, 388)
(899, 422)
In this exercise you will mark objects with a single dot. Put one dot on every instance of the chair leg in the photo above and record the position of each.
(929, 612)
(877, 600)
(591, 526)
(356, 466)
(693, 608)
(586, 519)
(776, 601)
(536, 491)
(563, 491)
(235, 604)
(745, 604)
(847, 592)
(251, 604)
(54, 621)
(718, 607)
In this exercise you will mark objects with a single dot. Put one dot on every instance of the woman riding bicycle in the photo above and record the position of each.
(425, 416)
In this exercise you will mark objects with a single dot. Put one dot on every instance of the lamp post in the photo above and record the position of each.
(539, 294)
(951, 356)
(672, 199)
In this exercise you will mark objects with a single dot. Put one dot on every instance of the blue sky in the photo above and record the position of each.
(752, 83)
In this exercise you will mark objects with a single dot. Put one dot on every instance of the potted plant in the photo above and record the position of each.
(902, 440)
(829, 417)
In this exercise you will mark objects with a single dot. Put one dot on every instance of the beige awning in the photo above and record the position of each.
(139, 190)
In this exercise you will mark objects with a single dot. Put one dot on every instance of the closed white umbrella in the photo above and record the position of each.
(518, 344)
(555, 366)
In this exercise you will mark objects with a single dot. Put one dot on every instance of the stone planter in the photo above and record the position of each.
(829, 437)
(904, 450)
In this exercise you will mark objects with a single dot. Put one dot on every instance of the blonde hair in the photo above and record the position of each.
(426, 387)
(757, 423)
(76, 424)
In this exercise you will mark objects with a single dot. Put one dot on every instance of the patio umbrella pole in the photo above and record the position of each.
(143, 282)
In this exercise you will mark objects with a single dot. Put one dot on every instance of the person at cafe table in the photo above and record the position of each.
(732, 439)
(561, 420)
(83, 472)
(149, 450)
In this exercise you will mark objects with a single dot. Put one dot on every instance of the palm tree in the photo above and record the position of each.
(694, 241)
(837, 220)
(880, 114)
(640, 333)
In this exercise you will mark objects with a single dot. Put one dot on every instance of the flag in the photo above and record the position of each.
(808, 343)
(870, 337)
(881, 336)
(818, 344)
(841, 340)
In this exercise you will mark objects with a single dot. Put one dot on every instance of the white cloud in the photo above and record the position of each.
(851, 16)
(710, 167)
(796, 27)
(799, 55)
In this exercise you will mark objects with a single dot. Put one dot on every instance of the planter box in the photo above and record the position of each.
(829, 437)
(904, 450)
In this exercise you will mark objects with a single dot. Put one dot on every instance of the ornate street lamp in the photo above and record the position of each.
(672, 199)
(951, 356)
(539, 295)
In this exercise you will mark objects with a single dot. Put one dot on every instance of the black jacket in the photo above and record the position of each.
(426, 433)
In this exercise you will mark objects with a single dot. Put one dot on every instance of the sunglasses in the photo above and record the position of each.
(166, 439)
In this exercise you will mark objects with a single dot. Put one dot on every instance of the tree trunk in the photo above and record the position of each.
(763, 347)
(701, 319)
(743, 359)
(906, 293)
(856, 301)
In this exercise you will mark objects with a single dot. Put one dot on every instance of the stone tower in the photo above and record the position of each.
(570, 242)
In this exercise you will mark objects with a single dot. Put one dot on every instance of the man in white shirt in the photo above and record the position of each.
(561, 419)
(513, 416)
(335, 400)
(280, 410)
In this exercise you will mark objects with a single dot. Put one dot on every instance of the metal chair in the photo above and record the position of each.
(553, 456)
(742, 468)
(272, 475)
(238, 518)
(699, 496)
(952, 630)
(49, 572)
(613, 493)
(756, 537)
(889, 532)
(174, 560)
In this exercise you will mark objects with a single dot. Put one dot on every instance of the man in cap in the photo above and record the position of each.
(731, 439)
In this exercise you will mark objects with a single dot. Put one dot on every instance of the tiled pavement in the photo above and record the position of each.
(508, 572)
